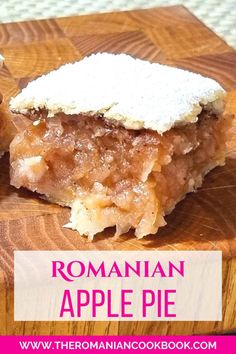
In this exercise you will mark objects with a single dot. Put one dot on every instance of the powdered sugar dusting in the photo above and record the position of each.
(134, 92)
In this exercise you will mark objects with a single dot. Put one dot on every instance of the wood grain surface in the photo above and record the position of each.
(203, 221)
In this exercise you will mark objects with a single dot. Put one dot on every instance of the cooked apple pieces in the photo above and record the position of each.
(119, 140)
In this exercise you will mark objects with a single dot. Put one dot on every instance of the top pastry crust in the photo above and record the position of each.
(131, 92)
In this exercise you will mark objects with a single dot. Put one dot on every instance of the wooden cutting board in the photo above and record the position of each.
(203, 221)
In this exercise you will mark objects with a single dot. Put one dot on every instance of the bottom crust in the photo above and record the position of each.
(111, 176)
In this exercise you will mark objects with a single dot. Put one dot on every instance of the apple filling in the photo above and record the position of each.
(111, 176)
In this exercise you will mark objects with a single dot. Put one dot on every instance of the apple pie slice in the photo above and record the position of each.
(119, 140)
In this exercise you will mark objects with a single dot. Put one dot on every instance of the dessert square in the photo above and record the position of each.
(119, 140)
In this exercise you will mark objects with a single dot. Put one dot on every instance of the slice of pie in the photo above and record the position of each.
(119, 140)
